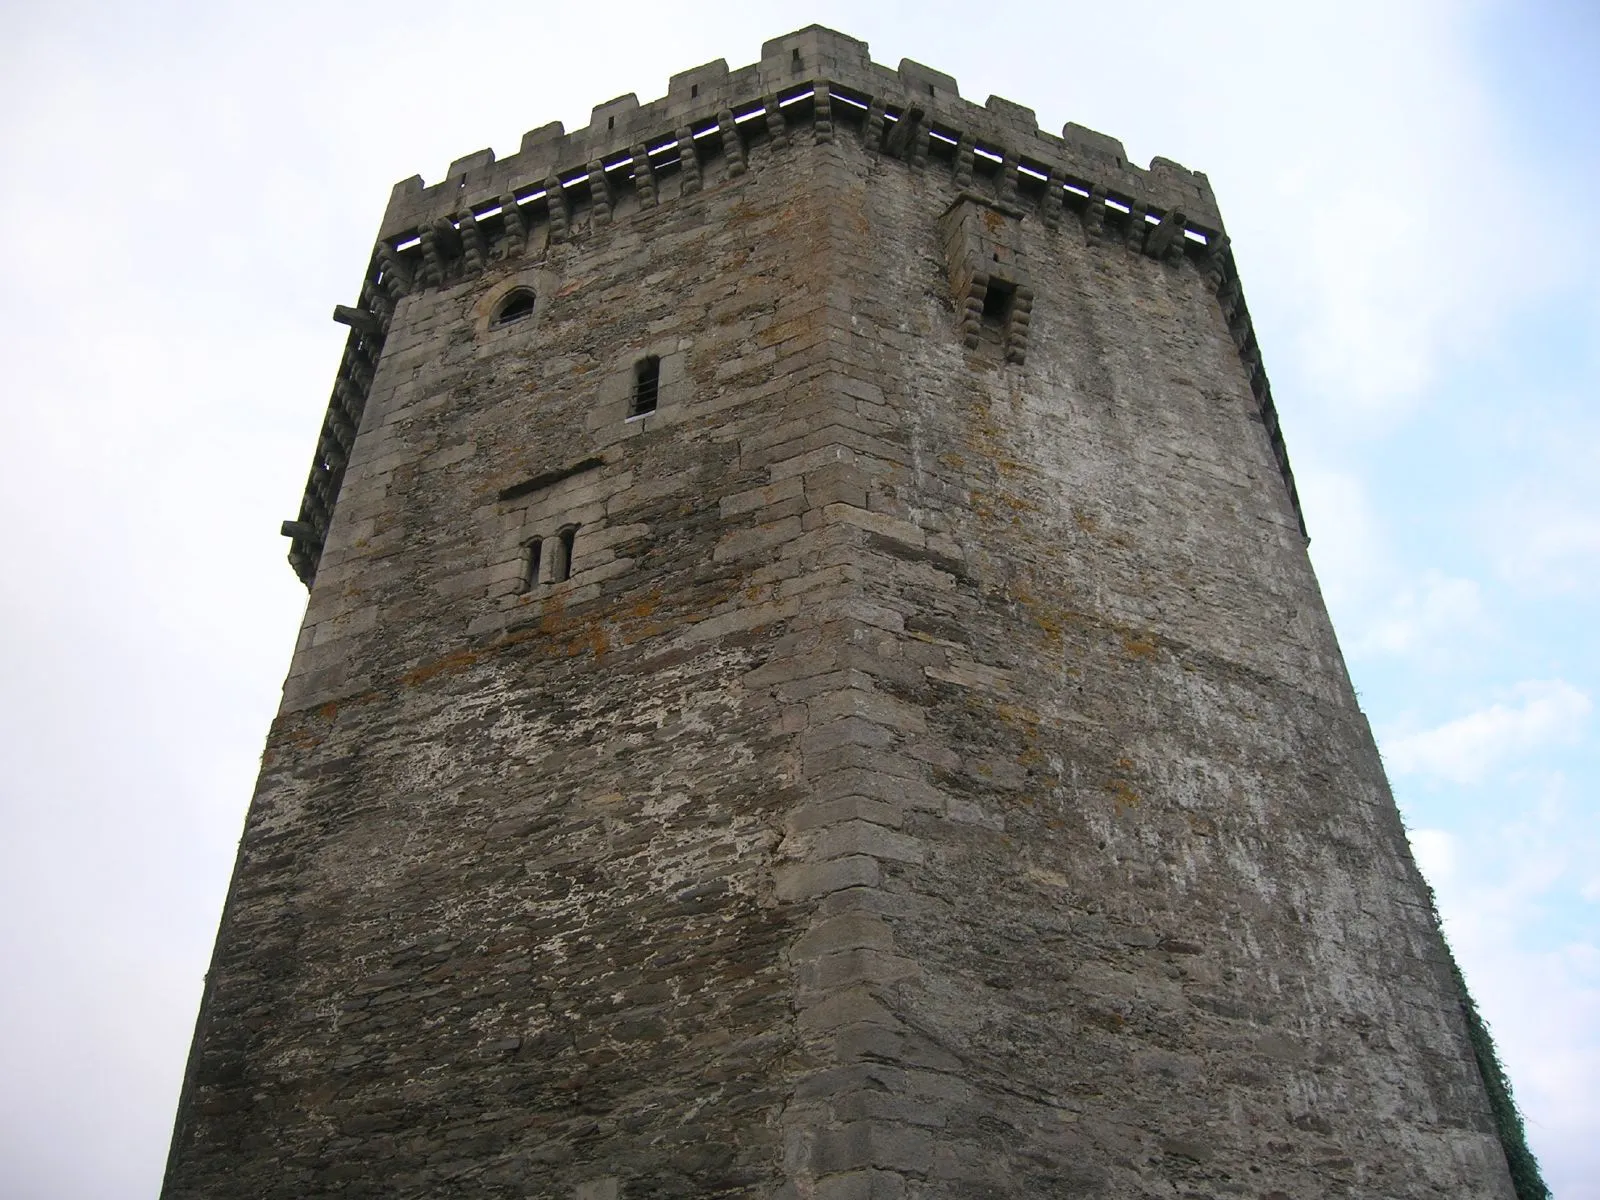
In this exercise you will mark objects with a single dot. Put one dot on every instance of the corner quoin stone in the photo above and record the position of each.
(900, 752)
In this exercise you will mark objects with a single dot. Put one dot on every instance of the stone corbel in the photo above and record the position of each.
(600, 192)
(1167, 236)
(516, 227)
(732, 147)
(822, 114)
(1094, 217)
(474, 248)
(777, 124)
(644, 176)
(902, 136)
(555, 199)
(688, 161)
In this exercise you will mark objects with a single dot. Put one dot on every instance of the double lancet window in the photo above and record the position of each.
(548, 560)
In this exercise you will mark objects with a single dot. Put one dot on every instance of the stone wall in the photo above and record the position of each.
(937, 776)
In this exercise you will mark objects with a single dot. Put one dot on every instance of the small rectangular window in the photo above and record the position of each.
(997, 302)
(646, 386)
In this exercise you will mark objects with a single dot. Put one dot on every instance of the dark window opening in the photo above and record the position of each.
(611, 122)
(530, 564)
(931, 91)
(997, 302)
(646, 386)
(561, 560)
(514, 307)
(794, 57)
(694, 90)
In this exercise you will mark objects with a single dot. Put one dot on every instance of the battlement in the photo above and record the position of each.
(798, 78)
(815, 82)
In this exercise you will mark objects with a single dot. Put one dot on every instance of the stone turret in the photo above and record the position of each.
(813, 687)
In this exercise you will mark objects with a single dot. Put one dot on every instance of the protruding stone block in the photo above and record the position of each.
(926, 84)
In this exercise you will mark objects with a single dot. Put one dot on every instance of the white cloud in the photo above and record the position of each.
(1348, 545)
(1376, 291)
(1540, 713)
(1550, 543)
(1426, 617)
(1435, 851)
(1527, 941)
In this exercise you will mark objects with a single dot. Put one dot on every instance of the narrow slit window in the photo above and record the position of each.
(530, 564)
(561, 559)
(646, 386)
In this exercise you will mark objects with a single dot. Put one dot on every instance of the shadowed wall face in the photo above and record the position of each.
(908, 756)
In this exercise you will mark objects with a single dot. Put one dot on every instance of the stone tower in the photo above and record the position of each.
(813, 689)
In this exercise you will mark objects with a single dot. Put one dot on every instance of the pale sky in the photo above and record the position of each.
(188, 189)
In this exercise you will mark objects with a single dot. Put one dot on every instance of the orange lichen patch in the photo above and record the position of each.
(574, 286)
(1085, 521)
(993, 221)
(1124, 764)
(1140, 646)
(460, 660)
(1010, 466)
(1201, 826)
(1017, 503)
(1122, 792)
(1015, 714)
(329, 710)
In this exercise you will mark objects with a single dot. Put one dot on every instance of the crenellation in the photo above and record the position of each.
(924, 84)
(619, 115)
(699, 95)
(475, 163)
(698, 87)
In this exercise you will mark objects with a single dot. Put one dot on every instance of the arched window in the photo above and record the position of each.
(561, 555)
(517, 305)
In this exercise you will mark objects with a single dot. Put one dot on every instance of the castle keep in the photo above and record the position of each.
(813, 689)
